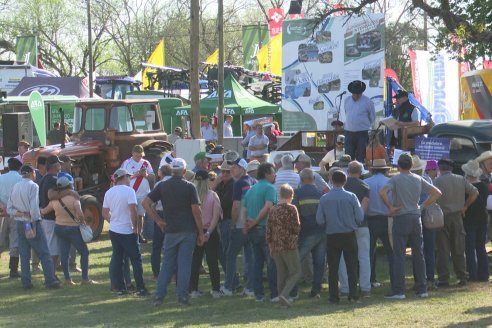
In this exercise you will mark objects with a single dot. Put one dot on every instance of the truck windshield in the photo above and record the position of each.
(120, 119)
(94, 119)
(145, 117)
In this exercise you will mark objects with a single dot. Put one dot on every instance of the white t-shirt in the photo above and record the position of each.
(228, 130)
(330, 156)
(117, 200)
(133, 167)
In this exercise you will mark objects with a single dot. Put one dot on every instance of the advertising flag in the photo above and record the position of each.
(213, 59)
(275, 19)
(26, 49)
(270, 56)
(156, 58)
(36, 108)
(251, 44)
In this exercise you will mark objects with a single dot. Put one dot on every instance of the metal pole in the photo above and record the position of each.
(89, 37)
(220, 105)
(195, 87)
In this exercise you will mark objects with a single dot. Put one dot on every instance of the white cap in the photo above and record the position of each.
(178, 163)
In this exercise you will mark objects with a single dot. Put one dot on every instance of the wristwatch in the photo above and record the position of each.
(207, 233)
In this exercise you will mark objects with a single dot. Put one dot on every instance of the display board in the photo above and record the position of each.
(318, 63)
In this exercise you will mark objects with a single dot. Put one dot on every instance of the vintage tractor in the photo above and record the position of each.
(104, 133)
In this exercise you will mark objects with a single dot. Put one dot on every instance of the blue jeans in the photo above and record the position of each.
(314, 245)
(477, 263)
(125, 245)
(429, 236)
(40, 246)
(407, 227)
(261, 254)
(157, 242)
(70, 235)
(178, 254)
(378, 229)
(355, 144)
(148, 227)
(238, 240)
(225, 236)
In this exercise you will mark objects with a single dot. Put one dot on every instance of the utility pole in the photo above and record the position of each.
(89, 39)
(196, 132)
(220, 105)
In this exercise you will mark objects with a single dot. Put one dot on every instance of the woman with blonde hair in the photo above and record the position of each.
(211, 213)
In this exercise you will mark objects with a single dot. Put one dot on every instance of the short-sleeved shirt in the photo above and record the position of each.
(47, 182)
(257, 196)
(177, 196)
(376, 204)
(255, 141)
(406, 188)
(224, 191)
(331, 157)
(117, 200)
(239, 190)
(454, 189)
(133, 167)
(289, 177)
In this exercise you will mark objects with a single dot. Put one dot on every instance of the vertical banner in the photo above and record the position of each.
(251, 44)
(26, 49)
(156, 58)
(270, 56)
(436, 84)
(36, 107)
(318, 63)
(275, 19)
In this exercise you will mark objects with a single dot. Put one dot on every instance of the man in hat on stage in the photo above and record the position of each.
(405, 113)
(359, 118)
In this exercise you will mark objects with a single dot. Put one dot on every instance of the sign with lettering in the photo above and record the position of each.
(36, 107)
(432, 148)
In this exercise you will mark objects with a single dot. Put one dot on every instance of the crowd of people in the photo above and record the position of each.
(282, 215)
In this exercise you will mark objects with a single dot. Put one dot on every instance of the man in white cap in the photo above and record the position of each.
(333, 155)
(120, 210)
(359, 118)
(182, 220)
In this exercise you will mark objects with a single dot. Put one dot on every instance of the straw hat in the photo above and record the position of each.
(379, 164)
(472, 168)
(484, 156)
(418, 164)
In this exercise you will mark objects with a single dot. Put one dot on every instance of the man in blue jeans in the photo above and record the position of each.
(312, 239)
(257, 202)
(23, 206)
(182, 221)
(120, 210)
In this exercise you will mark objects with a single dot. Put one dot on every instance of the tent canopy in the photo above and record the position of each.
(52, 86)
(237, 101)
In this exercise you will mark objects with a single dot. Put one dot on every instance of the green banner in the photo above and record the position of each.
(26, 49)
(251, 47)
(36, 107)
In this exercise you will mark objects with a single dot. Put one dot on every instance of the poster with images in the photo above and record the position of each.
(318, 63)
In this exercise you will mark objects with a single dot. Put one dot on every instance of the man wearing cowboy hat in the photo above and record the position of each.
(377, 217)
(457, 195)
(359, 118)
(404, 113)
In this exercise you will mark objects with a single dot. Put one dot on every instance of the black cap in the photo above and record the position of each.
(26, 169)
(445, 161)
(400, 94)
(52, 160)
(201, 175)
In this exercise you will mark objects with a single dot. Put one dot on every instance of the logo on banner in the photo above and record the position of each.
(43, 89)
(275, 18)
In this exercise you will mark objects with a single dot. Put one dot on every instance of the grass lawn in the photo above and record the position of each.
(96, 306)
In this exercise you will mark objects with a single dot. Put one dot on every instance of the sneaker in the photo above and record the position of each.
(284, 301)
(216, 293)
(375, 284)
(157, 301)
(89, 282)
(422, 295)
(75, 269)
(365, 293)
(248, 292)
(142, 293)
(225, 291)
(259, 299)
(196, 294)
(393, 296)
(121, 292)
(69, 283)
(142, 240)
(275, 299)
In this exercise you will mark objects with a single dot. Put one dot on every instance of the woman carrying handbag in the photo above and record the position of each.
(66, 203)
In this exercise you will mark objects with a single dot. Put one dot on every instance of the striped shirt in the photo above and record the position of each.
(286, 176)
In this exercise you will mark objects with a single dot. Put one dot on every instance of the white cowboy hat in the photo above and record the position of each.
(378, 164)
(484, 156)
(472, 168)
(418, 164)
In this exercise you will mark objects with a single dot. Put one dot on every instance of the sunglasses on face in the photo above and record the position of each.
(225, 172)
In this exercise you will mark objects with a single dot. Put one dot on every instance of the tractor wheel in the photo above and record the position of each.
(92, 210)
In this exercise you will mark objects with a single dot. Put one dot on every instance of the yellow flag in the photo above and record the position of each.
(213, 59)
(156, 58)
(270, 56)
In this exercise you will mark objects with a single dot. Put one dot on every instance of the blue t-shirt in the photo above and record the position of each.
(257, 196)
(177, 196)
(241, 186)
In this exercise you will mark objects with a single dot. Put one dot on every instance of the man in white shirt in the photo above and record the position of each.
(208, 132)
(287, 174)
(258, 144)
(142, 181)
(228, 127)
(120, 210)
(333, 155)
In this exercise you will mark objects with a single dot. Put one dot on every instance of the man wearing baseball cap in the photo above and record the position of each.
(182, 221)
(120, 210)
(405, 113)
(359, 118)
(202, 162)
(407, 226)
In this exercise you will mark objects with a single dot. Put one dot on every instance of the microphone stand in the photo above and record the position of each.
(335, 135)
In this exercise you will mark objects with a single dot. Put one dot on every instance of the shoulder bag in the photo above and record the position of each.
(433, 217)
(85, 230)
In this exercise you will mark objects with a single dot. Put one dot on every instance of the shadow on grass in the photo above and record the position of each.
(482, 322)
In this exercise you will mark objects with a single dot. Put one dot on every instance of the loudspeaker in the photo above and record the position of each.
(16, 127)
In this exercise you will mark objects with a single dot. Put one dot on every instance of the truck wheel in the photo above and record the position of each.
(92, 210)
(154, 156)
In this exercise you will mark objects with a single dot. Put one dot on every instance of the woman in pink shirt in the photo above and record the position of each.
(211, 213)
